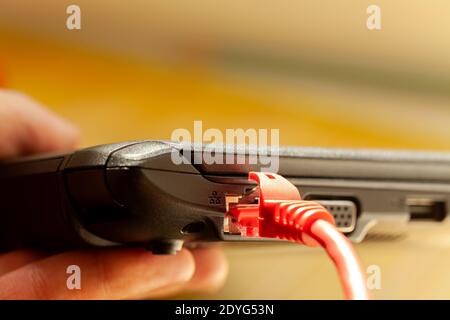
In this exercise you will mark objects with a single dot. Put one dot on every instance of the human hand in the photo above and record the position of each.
(114, 273)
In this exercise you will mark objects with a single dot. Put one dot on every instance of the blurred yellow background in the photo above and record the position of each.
(140, 69)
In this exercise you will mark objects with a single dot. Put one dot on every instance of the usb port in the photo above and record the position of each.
(426, 209)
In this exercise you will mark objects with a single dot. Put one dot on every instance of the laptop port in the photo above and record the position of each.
(426, 209)
(344, 213)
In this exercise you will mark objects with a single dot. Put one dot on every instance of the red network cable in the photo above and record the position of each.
(282, 214)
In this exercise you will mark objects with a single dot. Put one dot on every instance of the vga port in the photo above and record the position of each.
(344, 213)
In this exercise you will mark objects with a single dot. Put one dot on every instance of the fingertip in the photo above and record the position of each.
(153, 275)
(69, 137)
(73, 134)
(211, 269)
(171, 273)
(183, 264)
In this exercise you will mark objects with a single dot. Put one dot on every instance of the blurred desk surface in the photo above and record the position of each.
(112, 98)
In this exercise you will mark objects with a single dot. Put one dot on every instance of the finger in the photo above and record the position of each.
(211, 269)
(27, 127)
(14, 260)
(105, 274)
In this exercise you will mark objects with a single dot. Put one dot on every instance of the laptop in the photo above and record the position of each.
(162, 195)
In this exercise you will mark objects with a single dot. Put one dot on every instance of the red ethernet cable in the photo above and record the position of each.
(282, 214)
